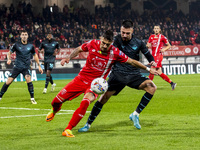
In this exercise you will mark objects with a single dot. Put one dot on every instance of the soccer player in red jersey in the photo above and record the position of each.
(102, 56)
(156, 42)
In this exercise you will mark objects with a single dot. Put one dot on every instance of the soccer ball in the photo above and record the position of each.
(99, 86)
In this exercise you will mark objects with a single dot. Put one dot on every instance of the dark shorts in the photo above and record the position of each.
(118, 81)
(16, 71)
(48, 66)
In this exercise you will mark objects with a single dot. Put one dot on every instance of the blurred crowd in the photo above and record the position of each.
(73, 26)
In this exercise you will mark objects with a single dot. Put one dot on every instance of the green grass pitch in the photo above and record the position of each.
(171, 121)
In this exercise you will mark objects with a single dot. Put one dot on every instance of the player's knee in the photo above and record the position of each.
(151, 87)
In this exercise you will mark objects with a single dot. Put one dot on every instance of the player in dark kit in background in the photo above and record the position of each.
(22, 64)
(126, 75)
(50, 48)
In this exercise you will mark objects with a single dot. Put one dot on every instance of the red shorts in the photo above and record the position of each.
(158, 60)
(75, 88)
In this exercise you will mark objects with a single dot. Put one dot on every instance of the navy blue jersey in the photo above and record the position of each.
(23, 54)
(49, 49)
(132, 49)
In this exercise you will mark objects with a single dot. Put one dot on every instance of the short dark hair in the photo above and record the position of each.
(108, 34)
(157, 25)
(23, 31)
(127, 24)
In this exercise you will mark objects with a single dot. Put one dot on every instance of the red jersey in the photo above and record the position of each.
(157, 42)
(97, 64)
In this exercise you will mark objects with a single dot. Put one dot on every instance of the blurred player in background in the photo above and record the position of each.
(50, 48)
(102, 56)
(126, 75)
(156, 42)
(22, 64)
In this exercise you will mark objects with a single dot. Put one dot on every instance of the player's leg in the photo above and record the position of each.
(116, 84)
(15, 72)
(96, 110)
(166, 78)
(46, 68)
(80, 112)
(27, 76)
(5, 86)
(53, 85)
(142, 83)
(72, 90)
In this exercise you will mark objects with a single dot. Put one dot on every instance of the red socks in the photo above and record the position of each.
(151, 76)
(78, 114)
(165, 77)
(56, 103)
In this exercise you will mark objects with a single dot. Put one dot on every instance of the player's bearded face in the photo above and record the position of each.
(49, 36)
(24, 36)
(156, 29)
(105, 44)
(126, 33)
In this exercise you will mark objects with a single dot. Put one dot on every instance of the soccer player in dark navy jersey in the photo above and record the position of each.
(50, 48)
(126, 75)
(22, 64)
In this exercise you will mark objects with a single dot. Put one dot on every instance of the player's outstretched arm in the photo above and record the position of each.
(38, 63)
(138, 64)
(72, 55)
(168, 46)
(9, 57)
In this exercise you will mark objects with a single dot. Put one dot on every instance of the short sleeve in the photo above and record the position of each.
(150, 39)
(33, 50)
(41, 46)
(165, 40)
(13, 48)
(85, 46)
(122, 58)
(57, 46)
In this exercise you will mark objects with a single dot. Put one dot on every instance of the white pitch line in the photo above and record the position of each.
(34, 109)
(69, 112)
(5, 117)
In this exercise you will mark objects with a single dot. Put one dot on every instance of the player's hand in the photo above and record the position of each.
(40, 70)
(152, 63)
(9, 62)
(41, 51)
(162, 50)
(63, 61)
(153, 71)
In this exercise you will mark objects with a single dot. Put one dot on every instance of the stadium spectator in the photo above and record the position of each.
(197, 40)
(80, 20)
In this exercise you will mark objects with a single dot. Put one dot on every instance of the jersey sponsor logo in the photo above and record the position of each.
(98, 63)
(134, 47)
(53, 44)
(28, 48)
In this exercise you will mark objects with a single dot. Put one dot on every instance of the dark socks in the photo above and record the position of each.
(31, 89)
(144, 102)
(4, 89)
(47, 81)
(95, 111)
(51, 80)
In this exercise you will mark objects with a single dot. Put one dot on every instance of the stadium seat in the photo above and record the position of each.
(177, 42)
(172, 42)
